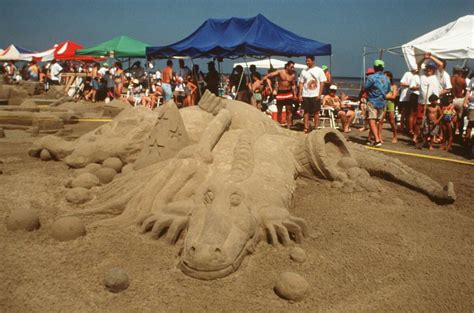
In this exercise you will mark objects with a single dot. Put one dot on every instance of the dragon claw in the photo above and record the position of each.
(158, 224)
(282, 227)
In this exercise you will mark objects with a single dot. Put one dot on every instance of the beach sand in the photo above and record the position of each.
(364, 253)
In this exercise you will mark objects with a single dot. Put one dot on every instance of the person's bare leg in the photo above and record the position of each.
(417, 131)
(411, 123)
(450, 136)
(391, 117)
(289, 115)
(374, 129)
(280, 109)
(316, 119)
(350, 115)
(380, 125)
(342, 116)
(306, 122)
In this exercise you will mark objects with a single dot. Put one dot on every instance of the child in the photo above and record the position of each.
(449, 114)
(433, 117)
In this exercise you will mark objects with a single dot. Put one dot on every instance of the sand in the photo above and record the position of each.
(397, 251)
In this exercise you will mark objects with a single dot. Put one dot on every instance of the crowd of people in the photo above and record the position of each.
(432, 104)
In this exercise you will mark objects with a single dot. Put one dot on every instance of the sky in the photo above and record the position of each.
(347, 25)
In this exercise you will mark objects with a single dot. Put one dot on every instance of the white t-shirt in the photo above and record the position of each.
(414, 82)
(428, 85)
(55, 70)
(102, 71)
(405, 91)
(444, 79)
(312, 79)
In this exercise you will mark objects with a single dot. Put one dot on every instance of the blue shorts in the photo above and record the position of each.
(167, 93)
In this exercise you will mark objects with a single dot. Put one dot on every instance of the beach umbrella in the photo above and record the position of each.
(118, 47)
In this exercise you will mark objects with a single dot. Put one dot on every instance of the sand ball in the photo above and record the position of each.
(92, 168)
(45, 155)
(291, 286)
(337, 184)
(2, 133)
(67, 228)
(298, 255)
(397, 201)
(85, 180)
(354, 172)
(347, 163)
(116, 280)
(375, 195)
(114, 163)
(127, 168)
(106, 175)
(23, 219)
(34, 131)
(78, 195)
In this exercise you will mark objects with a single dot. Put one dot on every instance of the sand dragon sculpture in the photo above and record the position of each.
(222, 175)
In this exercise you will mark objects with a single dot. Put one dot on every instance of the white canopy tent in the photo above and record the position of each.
(268, 63)
(15, 53)
(454, 41)
(44, 56)
(12, 53)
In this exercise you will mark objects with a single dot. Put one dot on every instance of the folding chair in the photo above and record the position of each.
(327, 115)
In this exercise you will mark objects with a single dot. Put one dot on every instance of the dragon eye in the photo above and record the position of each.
(208, 196)
(235, 199)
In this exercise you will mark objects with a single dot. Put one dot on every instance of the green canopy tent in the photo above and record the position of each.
(118, 47)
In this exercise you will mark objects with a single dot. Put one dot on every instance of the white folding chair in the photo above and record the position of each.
(327, 116)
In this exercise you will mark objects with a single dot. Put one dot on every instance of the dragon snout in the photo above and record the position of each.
(204, 256)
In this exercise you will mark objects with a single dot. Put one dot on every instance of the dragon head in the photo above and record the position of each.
(221, 232)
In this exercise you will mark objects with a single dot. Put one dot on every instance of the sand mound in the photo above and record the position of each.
(122, 138)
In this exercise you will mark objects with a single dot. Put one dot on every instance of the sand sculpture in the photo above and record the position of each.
(221, 175)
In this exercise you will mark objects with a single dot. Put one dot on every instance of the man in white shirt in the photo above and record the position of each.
(311, 85)
(103, 70)
(405, 93)
(429, 85)
(54, 71)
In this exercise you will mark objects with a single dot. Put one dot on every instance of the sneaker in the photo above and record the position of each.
(378, 144)
(369, 143)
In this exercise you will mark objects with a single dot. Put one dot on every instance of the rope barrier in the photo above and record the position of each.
(421, 156)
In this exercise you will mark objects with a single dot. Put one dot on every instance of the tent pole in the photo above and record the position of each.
(363, 64)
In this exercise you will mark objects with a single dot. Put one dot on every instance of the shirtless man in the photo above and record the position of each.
(342, 111)
(166, 77)
(286, 92)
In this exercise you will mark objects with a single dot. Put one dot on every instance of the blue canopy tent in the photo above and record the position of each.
(239, 37)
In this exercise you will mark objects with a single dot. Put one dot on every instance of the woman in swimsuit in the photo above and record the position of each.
(118, 76)
(449, 116)
(390, 107)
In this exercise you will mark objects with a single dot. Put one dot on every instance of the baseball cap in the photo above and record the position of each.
(379, 63)
(333, 87)
(105, 65)
(324, 67)
(457, 68)
(430, 64)
(370, 71)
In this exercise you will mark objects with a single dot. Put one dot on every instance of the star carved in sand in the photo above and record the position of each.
(155, 145)
(175, 134)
